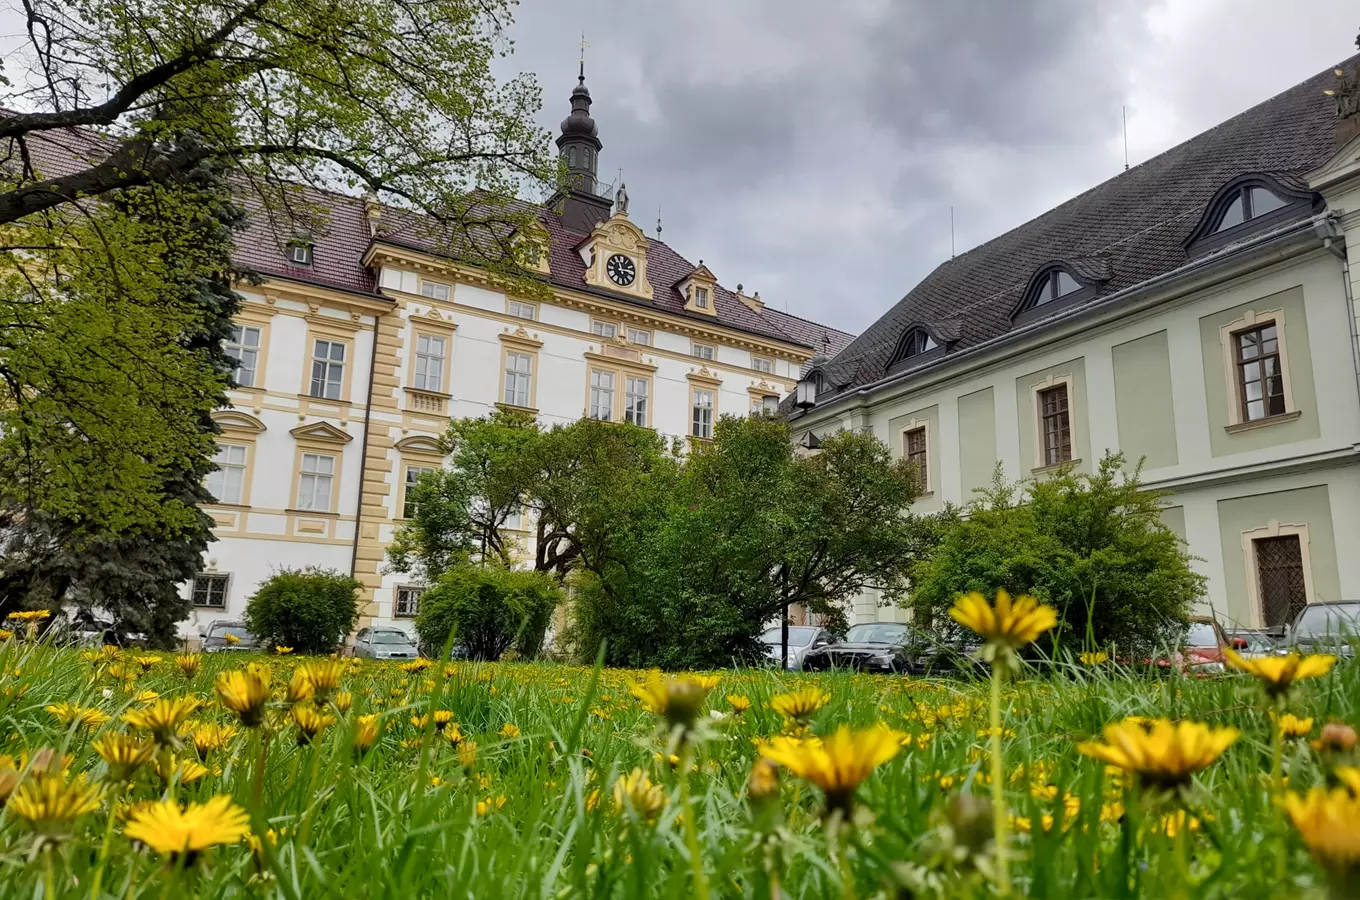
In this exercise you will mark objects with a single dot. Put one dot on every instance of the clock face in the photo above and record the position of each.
(620, 269)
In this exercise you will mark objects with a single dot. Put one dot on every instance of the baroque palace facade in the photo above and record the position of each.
(363, 342)
(1197, 312)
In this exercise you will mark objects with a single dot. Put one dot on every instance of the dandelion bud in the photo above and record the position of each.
(970, 819)
(763, 786)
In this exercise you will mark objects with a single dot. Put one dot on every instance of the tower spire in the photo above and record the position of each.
(578, 148)
(582, 78)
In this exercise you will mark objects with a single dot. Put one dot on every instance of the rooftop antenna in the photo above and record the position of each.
(658, 221)
(951, 232)
(584, 45)
(1124, 111)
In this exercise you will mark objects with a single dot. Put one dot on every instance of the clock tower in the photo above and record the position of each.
(579, 148)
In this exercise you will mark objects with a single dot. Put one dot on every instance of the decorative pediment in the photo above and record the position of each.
(321, 433)
(235, 420)
(704, 377)
(700, 290)
(615, 255)
(521, 339)
(422, 444)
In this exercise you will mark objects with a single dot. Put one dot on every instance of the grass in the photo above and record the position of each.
(403, 819)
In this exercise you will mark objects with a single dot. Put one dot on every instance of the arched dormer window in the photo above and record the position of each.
(1056, 286)
(1244, 205)
(914, 347)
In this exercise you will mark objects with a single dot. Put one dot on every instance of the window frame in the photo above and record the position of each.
(243, 466)
(696, 408)
(405, 503)
(256, 370)
(601, 399)
(299, 253)
(695, 346)
(628, 396)
(598, 327)
(441, 385)
(1061, 420)
(758, 361)
(1274, 529)
(341, 384)
(441, 291)
(412, 612)
(509, 395)
(303, 474)
(224, 578)
(510, 305)
(1045, 280)
(646, 337)
(703, 297)
(1228, 344)
(924, 471)
(1207, 237)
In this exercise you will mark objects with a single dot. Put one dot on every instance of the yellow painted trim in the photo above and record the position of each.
(333, 450)
(705, 378)
(638, 366)
(276, 288)
(512, 344)
(322, 331)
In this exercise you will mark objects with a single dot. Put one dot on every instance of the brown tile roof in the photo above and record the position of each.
(1118, 234)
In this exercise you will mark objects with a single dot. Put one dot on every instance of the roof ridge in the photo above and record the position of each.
(809, 321)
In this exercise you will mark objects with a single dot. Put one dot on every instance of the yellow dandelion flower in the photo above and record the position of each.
(244, 693)
(324, 677)
(172, 830)
(310, 722)
(800, 705)
(211, 738)
(488, 805)
(146, 662)
(189, 664)
(183, 771)
(300, 687)
(678, 699)
(84, 716)
(282, 651)
(467, 754)
(838, 764)
(509, 731)
(740, 703)
(593, 800)
(124, 753)
(1278, 673)
(32, 615)
(442, 719)
(365, 733)
(1291, 726)
(163, 719)
(50, 804)
(1329, 823)
(5, 634)
(1160, 753)
(233, 639)
(636, 792)
(1094, 658)
(416, 665)
(343, 700)
(762, 786)
(1007, 625)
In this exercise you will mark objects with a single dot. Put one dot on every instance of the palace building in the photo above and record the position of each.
(363, 341)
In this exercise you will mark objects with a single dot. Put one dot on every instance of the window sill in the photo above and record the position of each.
(1056, 467)
(510, 407)
(925, 495)
(315, 514)
(220, 609)
(429, 393)
(1239, 427)
(242, 389)
(218, 505)
(310, 399)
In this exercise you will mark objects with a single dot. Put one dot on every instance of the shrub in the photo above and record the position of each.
(1093, 546)
(311, 610)
(489, 609)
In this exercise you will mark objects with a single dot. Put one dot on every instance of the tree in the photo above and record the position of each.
(311, 610)
(488, 609)
(1093, 546)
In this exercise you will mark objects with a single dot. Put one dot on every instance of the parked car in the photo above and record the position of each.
(1201, 653)
(218, 638)
(384, 643)
(1325, 628)
(892, 647)
(802, 639)
(1253, 644)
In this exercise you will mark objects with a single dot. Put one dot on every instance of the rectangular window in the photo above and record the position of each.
(635, 401)
(514, 520)
(602, 395)
(228, 483)
(407, 602)
(703, 351)
(429, 362)
(761, 364)
(244, 347)
(210, 590)
(916, 453)
(434, 290)
(314, 484)
(1260, 380)
(408, 504)
(701, 297)
(518, 370)
(640, 337)
(1057, 425)
(300, 253)
(521, 310)
(702, 422)
(605, 329)
(1279, 576)
(328, 369)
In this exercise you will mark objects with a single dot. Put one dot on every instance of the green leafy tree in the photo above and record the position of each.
(488, 609)
(1094, 546)
(311, 610)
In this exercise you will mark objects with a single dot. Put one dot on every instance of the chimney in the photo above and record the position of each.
(755, 304)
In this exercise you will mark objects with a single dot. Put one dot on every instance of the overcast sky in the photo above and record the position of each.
(812, 150)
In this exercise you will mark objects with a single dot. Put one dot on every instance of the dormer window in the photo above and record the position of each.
(1249, 203)
(299, 253)
(1057, 286)
(701, 297)
(916, 346)
(1244, 205)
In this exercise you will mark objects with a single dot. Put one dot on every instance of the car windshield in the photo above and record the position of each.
(390, 637)
(239, 631)
(799, 636)
(1202, 634)
(1319, 621)
(877, 633)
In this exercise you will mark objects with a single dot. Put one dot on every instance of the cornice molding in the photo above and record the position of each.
(520, 338)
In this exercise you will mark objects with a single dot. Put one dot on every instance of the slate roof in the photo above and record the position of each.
(1120, 233)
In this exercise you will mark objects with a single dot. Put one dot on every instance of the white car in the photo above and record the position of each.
(384, 643)
(802, 638)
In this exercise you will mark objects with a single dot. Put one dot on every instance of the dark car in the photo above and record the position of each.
(1325, 628)
(227, 637)
(868, 647)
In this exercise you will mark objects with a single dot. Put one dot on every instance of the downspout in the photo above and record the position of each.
(363, 450)
(1327, 230)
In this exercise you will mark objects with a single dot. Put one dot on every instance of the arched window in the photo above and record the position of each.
(1058, 284)
(571, 157)
(1054, 286)
(914, 347)
(1245, 204)
(1249, 203)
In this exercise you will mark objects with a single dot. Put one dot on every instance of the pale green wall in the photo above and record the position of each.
(1142, 397)
(1305, 427)
(1173, 517)
(977, 440)
(1076, 404)
(931, 416)
(1303, 506)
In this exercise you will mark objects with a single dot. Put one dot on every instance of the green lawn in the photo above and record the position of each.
(530, 811)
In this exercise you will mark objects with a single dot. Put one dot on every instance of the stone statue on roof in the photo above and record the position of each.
(621, 200)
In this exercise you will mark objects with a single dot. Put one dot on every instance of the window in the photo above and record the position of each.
(1260, 380)
(429, 362)
(761, 364)
(1280, 579)
(703, 351)
(1248, 203)
(635, 401)
(407, 602)
(914, 448)
(210, 590)
(914, 343)
(701, 297)
(1058, 284)
(1057, 425)
(601, 395)
(518, 371)
(244, 347)
(328, 369)
(227, 484)
(605, 329)
(521, 310)
(435, 290)
(702, 424)
(314, 484)
(765, 404)
(300, 253)
(640, 337)
(409, 508)
(514, 520)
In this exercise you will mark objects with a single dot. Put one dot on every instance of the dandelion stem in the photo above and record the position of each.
(104, 848)
(696, 861)
(1277, 787)
(1000, 821)
(49, 877)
